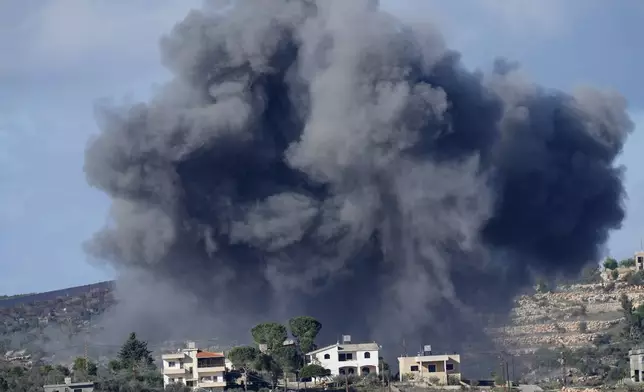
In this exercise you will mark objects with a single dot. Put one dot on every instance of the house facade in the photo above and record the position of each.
(341, 358)
(436, 369)
(198, 369)
(636, 357)
(70, 386)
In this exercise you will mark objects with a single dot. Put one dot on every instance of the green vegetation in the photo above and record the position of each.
(305, 329)
(630, 262)
(635, 279)
(270, 356)
(313, 370)
(610, 263)
(133, 371)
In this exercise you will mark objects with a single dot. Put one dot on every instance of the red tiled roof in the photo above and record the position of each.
(208, 354)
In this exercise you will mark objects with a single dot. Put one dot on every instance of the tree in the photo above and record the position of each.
(271, 334)
(614, 274)
(244, 358)
(313, 370)
(542, 286)
(630, 262)
(287, 358)
(177, 387)
(610, 263)
(84, 366)
(134, 352)
(267, 363)
(305, 329)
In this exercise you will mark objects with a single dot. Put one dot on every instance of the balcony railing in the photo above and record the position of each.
(211, 384)
(203, 369)
(175, 370)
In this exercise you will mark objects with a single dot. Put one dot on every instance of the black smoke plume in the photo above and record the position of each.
(323, 158)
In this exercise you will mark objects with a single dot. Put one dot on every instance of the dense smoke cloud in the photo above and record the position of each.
(321, 157)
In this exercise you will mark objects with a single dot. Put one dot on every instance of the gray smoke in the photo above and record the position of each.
(323, 158)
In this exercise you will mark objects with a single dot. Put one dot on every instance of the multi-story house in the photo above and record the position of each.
(347, 358)
(438, 369)
(199, 369)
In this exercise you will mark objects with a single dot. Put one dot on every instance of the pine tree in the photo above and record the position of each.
(133, 352)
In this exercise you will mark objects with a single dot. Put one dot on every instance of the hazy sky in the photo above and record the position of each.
(59, 56)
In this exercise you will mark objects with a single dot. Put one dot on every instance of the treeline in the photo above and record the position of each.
(133, 370)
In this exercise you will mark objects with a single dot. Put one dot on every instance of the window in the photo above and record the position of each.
(171, 364)
(431, 368)
(367, 355)
(345, 356)
(327, 356)
(449, 366)
(171, 380)
(78, 390)
(413, 368)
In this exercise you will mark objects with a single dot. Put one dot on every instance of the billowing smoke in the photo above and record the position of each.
(323, 158)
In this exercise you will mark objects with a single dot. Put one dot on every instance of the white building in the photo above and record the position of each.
(199, 369)
(637, 364)
(347, 358)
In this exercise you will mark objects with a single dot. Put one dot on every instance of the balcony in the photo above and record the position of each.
(210, 369)
(175, 370)
(173, 356)
(211, 384)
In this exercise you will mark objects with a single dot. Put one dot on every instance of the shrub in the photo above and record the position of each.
(583, 327)
(610, 263)
(453, 380)
(635, 279)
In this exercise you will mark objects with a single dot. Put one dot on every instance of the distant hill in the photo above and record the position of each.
(52, 295)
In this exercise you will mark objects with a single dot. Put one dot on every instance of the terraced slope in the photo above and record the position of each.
(571, 316)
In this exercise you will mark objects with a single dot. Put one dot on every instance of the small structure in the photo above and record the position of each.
(70, 386)
(639, 260)
(637, 361)
(436, 369)
(347, 357)
(195, 368)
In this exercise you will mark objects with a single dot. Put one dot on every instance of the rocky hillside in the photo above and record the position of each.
(571, 315)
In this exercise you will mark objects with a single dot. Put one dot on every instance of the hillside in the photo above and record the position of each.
(570, 315)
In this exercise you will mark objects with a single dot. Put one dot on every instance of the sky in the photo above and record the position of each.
(60, 56)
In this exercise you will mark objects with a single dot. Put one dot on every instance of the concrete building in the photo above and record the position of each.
(347, 358)
(637, 364)
(198, 369)
(639, 260)
(70, 386)
(432, 368)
